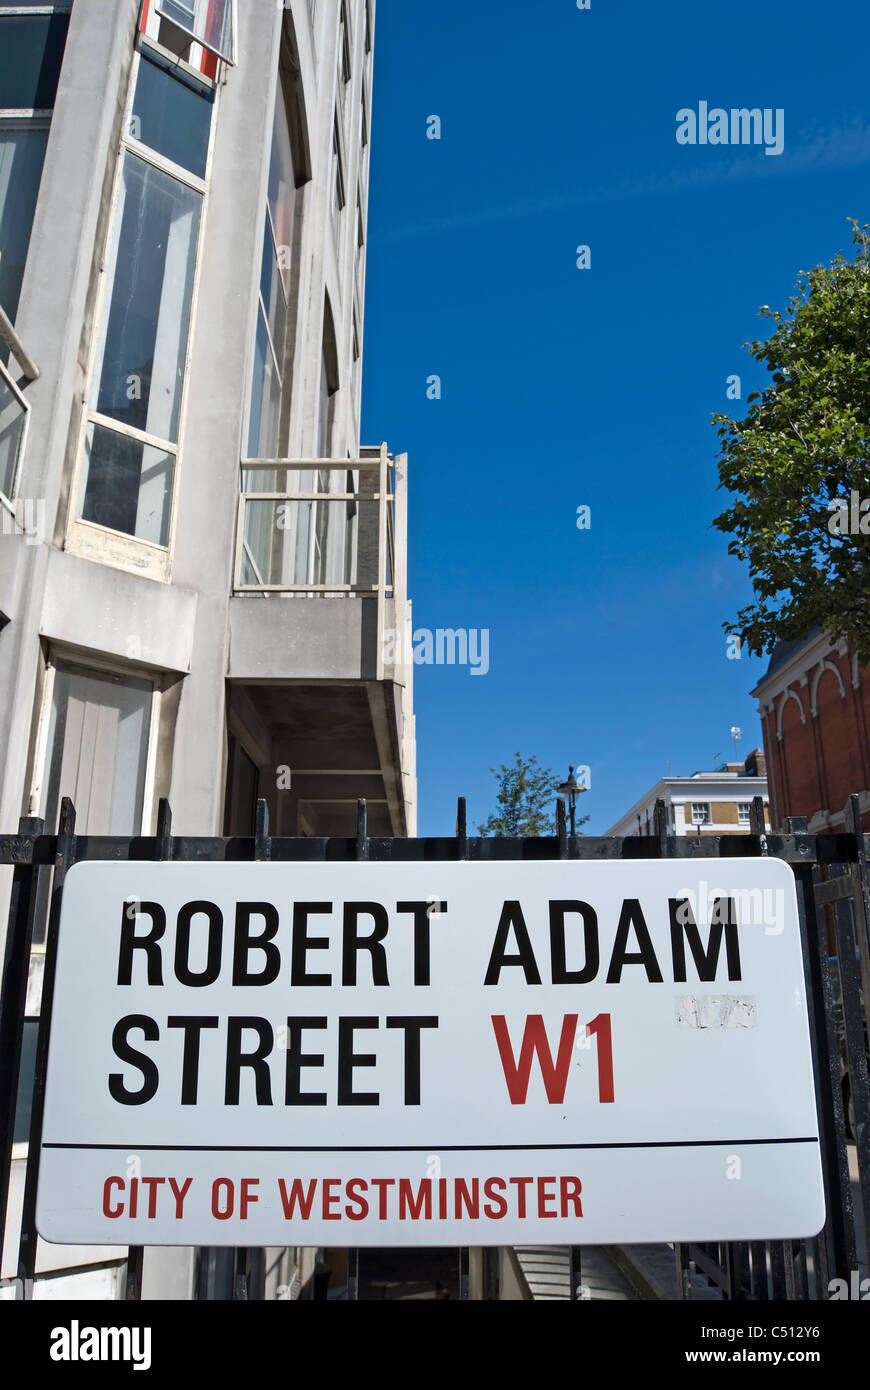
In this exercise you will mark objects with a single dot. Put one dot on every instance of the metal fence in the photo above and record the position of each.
(833, 882)
(833, 878)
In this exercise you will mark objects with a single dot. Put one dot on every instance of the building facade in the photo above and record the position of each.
(814, 703)
(199, 560)
(707, 803)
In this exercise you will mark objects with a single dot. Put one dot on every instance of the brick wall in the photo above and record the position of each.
(816, 737)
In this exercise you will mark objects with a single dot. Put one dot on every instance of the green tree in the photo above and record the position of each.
(526, 797)
(804, 444)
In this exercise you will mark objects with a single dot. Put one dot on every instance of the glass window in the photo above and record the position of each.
(22, 152)
(265, 399)
(273, 299)
(744, 811)
(172, 115)
(267, 387)
(344, 54)
(700, 813)
(98, 750)
(31, 53)
(208, 22)
(338, 195)
(282, 191)
(127, 485)
(140, 368)
(13, 426)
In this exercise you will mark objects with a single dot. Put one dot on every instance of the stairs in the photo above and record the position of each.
(547, 1272)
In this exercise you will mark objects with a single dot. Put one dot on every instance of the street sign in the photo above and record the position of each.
(411, 1054)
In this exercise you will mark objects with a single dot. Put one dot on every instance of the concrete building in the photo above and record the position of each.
(199, 560)
(814, 703)
(707, 803)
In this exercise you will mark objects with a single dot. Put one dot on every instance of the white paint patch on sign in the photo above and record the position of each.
(308, 1054)
(717, 1011)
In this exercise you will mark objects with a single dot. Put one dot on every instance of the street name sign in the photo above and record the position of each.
(411, 1054)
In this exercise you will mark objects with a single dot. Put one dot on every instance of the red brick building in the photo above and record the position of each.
(815, 712)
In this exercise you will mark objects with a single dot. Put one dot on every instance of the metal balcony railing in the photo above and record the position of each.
(319, 528)
(328, 529)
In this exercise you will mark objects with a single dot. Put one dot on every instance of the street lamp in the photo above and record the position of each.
(571, 790)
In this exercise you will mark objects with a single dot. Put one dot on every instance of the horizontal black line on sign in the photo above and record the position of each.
(426, 1148)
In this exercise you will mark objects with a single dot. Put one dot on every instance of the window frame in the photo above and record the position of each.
(283, 366)
(94, 666)
(8, 503)
(37, 114)
(278, 364)
(338, 182)
(707, 809)
(27, 117)
(345, 55)
(290, 93)
(90, 539)
(744, 813)
(232, 59)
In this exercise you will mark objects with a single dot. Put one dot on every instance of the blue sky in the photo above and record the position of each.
(564, 388)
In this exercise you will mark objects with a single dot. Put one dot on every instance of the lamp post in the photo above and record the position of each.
(571, 790)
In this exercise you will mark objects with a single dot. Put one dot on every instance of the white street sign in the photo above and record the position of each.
(429, 1054)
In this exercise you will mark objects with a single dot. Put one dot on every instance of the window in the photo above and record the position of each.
(701, 813)
(338, 194)
(744, 812)
(209, 23)
(22, 151)
(134, 420)
(99, 738)
(268, 385)
(344, 55)
(31, 53)
(14, 414)
(357, 360)
(172, 115)
(128, 480)
(313, 518)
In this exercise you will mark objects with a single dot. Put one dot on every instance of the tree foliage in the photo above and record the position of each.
(525, 802)
(805, 443)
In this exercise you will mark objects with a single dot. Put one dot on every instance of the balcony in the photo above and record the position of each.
(319, 589)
